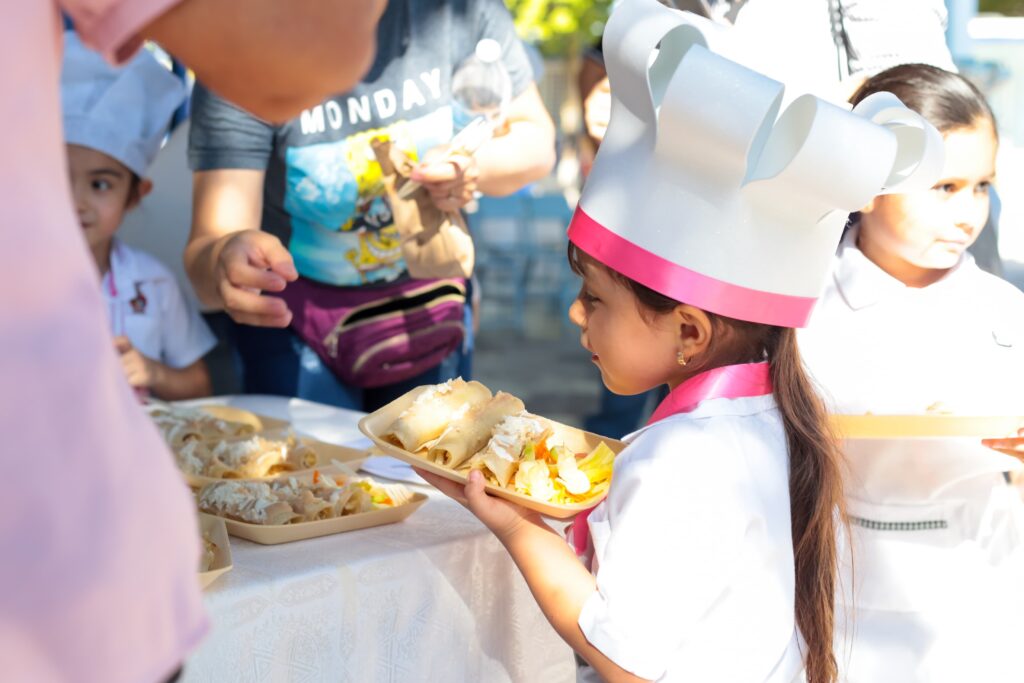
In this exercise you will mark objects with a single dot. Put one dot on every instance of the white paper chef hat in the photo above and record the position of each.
(704, 192)
(123, 111)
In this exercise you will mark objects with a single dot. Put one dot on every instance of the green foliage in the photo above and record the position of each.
(560, 27)
(1011, 8)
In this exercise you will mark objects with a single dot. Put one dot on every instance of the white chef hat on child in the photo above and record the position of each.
(703, 192)
(122, 111)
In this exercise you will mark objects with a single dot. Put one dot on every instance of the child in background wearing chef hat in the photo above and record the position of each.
(704, 235)
(903, 268)
(908, 324)
(114, 122)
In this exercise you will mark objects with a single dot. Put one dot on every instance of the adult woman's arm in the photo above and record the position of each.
(504, 164)
(526, 153)
(229, 260)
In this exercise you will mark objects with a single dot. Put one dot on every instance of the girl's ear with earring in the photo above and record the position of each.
(693, 333)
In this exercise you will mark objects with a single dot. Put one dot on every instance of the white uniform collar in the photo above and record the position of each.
(715, 407)
(863, 284)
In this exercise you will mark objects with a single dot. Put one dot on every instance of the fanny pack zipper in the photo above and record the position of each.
(410, 299)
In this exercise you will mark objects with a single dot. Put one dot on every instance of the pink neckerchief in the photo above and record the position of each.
(117, 326)
(730, 381)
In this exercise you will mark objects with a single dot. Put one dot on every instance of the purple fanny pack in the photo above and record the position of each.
(376, 335)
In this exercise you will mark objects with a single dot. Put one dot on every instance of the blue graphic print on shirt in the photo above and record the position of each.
(334, 195)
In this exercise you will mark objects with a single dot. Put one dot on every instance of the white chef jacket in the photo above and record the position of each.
(874, 344)
(145, 304)
(693, 550)
(935, 592)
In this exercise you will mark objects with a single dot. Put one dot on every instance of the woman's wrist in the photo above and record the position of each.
(202, 263)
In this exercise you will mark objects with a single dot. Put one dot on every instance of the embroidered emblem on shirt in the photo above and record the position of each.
(138, 303)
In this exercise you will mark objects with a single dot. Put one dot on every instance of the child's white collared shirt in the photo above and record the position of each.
(874, 344)
(934, 591)
(693, 551)
(146, 305)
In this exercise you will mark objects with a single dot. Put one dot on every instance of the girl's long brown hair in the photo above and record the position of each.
(815, 461)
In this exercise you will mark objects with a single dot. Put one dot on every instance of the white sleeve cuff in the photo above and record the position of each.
(628, 650)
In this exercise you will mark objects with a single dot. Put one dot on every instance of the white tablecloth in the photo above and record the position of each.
(433, 598)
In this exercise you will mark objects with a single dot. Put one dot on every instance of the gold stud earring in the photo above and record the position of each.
(680, 358)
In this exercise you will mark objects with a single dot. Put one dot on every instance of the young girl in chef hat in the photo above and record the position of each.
(703, 236)
(908, 324)
(114, 121)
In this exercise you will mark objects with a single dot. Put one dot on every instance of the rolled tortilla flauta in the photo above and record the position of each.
(262, 463)
(247, 501)
(360, 501)
(502, 453)
(341, 500)
(251, 458)
(217, 469)
(310, 506)
(278, 513)
(431, 412)
(178, 434)
(301, 456)
(469, 434)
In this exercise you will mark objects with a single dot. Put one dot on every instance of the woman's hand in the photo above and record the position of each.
(251, 262)
(450, 178)
(503, 518)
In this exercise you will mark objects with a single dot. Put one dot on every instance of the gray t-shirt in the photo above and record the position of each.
(323, 195)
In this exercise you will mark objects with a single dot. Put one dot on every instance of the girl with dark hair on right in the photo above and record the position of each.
(908, 324)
